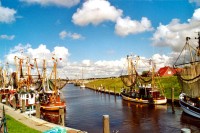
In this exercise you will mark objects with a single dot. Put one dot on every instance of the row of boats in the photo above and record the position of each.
(23, 86)
(145, 89)
(27, 86)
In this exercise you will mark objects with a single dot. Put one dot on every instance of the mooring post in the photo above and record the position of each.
(185, 130)
(106, 124)
(23, 105)
(114, 90)
(14, 103)
(172, 96)
(7, 103)
(0, 98)
(37, 110)
(61, 116)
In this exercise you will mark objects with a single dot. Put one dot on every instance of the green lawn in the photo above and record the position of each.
(17, 127)
(166, 83)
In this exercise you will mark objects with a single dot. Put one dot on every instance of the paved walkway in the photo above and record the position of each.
(32, 121)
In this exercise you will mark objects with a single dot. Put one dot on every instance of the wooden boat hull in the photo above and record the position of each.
(53, 106)
(188, 108)
(144, 101)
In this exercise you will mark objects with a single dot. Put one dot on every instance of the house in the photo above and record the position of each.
(166, 71)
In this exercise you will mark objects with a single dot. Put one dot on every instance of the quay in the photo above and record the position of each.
(32, 121)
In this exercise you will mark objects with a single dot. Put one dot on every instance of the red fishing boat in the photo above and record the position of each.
(50, 95)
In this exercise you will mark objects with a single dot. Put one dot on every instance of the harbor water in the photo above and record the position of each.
(85, 110)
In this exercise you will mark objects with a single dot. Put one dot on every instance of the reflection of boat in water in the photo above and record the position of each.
(187, 119)
(142, 89)
(188, 66)
(144, 106)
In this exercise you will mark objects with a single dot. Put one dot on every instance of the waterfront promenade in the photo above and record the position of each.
(32, 121)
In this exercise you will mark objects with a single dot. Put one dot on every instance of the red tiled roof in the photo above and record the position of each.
(162, 71)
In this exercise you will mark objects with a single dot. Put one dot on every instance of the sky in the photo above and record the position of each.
(93, 37)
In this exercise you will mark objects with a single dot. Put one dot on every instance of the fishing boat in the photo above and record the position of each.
(6, 83)
(141, 89)
(188, 66)
(24, 84)
(82, 85)
(50, 93)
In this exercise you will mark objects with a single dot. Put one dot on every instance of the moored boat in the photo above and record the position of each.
(24, 84)
(141, 89)
(50, 93)
(188, 64)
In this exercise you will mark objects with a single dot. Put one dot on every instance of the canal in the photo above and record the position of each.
(86, 107)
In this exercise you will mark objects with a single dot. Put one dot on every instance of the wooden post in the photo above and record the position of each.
(38, 110)
(14, 103)
(106, 124)
(61, 116)
(114, 90)
(172, 96)
(0, 98)
(23, 106)
(7, 103)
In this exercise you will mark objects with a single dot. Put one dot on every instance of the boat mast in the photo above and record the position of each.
(28, 73)
(152, 75)
(37, 68)
(55, 74)
(44, 71)
(198, 48)
(187, 44)
(131, 69)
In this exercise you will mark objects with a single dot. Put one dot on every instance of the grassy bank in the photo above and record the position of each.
(166, 83)
(17, 127)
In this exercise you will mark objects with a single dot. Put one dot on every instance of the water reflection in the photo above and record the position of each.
(190, 122)
(85, 109)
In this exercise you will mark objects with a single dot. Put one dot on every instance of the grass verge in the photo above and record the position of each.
(16, 127)
(165, 83)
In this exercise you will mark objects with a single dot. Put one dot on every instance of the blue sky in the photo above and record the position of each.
(97, 33)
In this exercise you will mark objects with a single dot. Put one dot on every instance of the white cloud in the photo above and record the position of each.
(195, 1)
(76, 36)
(162, 60)
(173, 34)
(196, 15)
(86, 62)
(127, 26)
(95, 12)
(7, 37)
(63, 34)
(61, 52)
(63, 3)
(7, 15)
(40, 53)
